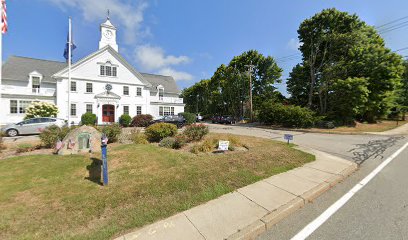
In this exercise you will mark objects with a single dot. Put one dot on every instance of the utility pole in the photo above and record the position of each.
(250, 69)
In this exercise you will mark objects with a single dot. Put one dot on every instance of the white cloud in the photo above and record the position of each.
(293, 44)
(152, 58)
(177, 75)
(128, 14)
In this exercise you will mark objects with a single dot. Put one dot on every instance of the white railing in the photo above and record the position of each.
(166, 99)
(27, 91)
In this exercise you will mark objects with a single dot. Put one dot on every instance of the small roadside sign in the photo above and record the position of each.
(223, 145)
(288, 137)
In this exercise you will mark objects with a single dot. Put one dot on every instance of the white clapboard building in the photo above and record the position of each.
(103, 83)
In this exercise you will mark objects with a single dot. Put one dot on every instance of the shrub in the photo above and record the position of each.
(138, 137)
(207, 146)
(287, 116)
(181, 141)
(41, 109)
(125, 120)
(195, 132)
(88, 119)
(189, 117)
(167, 142)
(112, 132)
(2, 147)
(24, 147)
(142, 120)
(50, 135)
(158, 131)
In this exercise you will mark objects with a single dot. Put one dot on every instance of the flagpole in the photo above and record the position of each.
(1, 51)
(69, 71)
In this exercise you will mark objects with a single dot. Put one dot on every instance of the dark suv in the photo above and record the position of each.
(179, 121)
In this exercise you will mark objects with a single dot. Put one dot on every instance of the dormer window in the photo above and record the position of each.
(35, 81)
(108, 69)
(160, 89)
(35, 85)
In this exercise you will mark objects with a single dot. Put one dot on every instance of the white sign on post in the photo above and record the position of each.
(223, 145)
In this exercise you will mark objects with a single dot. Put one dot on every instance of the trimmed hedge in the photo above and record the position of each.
(189, 117)
(286, 116)
(88, 119)
(125, 120)
(142, 120)
(158, 131)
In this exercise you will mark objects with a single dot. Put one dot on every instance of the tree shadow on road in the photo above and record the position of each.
(374, 149)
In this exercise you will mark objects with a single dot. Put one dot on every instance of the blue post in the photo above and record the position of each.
(104, 145)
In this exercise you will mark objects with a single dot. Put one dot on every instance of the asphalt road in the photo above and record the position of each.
(377, 211)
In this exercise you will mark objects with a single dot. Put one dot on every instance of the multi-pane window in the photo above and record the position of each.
(35, 84)
(23, 105)
(19, 106)
(102, 70)
(161, 93)
(166, 111)
(89, 88)
(138, 91)
(108, 70)
(73, 87)
(125, 90)
(13, 106)
(89, 108)
(126, 110)
(138, 110)
(73, 109)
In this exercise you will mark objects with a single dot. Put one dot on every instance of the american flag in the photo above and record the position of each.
(4, 17)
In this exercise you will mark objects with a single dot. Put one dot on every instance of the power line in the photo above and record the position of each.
(396, 20)
(389, 27)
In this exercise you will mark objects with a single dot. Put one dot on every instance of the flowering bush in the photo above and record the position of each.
(41, 109)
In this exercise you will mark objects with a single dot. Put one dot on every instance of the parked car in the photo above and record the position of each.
(199, 118)
(216, 119)
(177, 120)
(224, 119)
(228, 120)
(32, 126)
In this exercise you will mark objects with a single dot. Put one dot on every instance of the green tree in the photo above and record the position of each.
(337, 46)
(227, 92)
(349, 98)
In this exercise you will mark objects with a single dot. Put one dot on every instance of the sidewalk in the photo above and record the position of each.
(249, 211)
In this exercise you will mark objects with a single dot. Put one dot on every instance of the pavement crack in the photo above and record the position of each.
(253, 201)
(195, 226)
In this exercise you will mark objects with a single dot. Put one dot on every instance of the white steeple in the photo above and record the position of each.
(108, 34)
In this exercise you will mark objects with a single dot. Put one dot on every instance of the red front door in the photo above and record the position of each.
(108, 113)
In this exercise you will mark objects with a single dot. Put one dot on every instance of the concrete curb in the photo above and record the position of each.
(252, 231)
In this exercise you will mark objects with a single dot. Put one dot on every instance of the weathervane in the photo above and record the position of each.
(108, 15)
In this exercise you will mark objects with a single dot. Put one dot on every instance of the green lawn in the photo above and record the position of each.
(60, 197)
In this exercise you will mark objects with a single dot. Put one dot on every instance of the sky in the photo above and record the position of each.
(187, 39)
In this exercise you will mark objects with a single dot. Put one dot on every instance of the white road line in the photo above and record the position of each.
(311, 227)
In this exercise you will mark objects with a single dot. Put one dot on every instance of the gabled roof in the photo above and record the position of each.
(100, 51)
(167, 82)
(18, 68)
